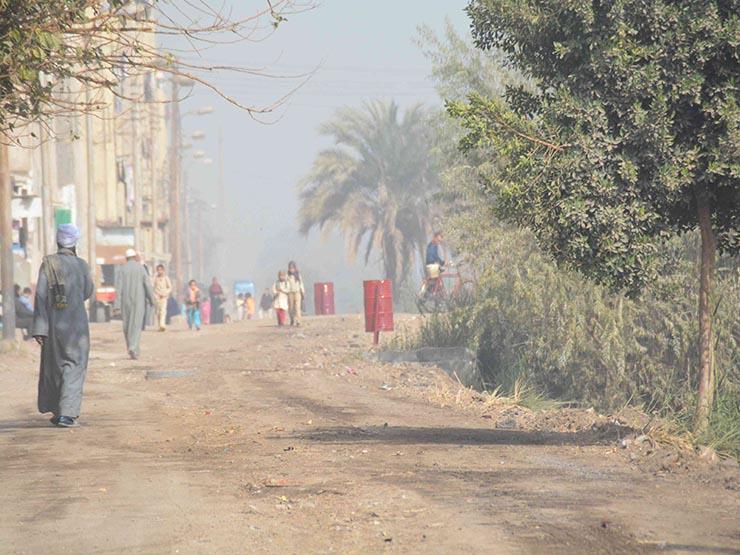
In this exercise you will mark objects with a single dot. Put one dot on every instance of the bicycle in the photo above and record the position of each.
(440, 292)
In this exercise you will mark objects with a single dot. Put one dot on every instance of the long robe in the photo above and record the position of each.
(66, 348)
(216, 294)
(133, 290)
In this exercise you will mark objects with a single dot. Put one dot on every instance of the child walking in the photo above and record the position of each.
(192, 302)
(249, 305)
(280, 290)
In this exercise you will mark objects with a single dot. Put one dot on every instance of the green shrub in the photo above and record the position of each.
(562, 336)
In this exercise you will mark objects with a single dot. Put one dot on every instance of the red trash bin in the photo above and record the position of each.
(378, 306)
(323, 298)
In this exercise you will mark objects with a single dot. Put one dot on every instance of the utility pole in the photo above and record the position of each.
(154, 200)
(47, 228)
(135, 162)
(221, 214)
(6, 243)
(200, 248)
(221, 186)
(188, 228)
(175, 224)
(92, 220)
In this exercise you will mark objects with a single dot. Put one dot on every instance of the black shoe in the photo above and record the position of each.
(133, 355)
(54, 420)
(66, 422)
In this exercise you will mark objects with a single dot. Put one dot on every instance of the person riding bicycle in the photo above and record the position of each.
(434, 262)
(433, 255)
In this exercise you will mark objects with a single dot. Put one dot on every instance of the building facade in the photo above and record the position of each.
(106, 171)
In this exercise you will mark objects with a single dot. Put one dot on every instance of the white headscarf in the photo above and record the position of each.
(67, 235)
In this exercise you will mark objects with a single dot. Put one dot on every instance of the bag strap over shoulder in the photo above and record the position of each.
(51, 268)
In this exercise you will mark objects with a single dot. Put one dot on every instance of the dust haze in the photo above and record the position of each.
(358, 52)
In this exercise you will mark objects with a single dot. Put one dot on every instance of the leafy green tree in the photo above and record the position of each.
(35, 50)
(44, 43)
(375, 185)
(630, 138)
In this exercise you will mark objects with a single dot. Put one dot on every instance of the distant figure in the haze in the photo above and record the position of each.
(60, 327)
(133, 291)
(193, 305)
(216, 294)
(162, 290)
(249, 305)
(296, 291)
(280, 290)
(23, 310)
(205, 310)
(265, 304)
(240, 307)
(433, 251)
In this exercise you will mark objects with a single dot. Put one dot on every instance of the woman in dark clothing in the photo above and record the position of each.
(216, 293)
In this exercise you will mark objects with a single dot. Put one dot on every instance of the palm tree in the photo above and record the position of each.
(375, 184)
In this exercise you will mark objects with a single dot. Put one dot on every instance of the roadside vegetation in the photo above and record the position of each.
(593, 198)
(542, 327)
(541, 332)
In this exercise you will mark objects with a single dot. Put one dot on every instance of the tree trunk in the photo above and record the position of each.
(706, 344)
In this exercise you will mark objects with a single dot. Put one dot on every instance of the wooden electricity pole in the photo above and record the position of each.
(136, 170)
(175, 220)
(47, 193)
(154, 199)
(91, 212)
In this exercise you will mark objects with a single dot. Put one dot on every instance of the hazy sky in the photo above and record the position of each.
(363, 50)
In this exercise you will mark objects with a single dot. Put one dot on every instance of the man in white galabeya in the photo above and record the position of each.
(133, 291)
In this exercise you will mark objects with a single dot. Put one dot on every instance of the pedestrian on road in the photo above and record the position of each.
(162, 290)
(27, 298)
(133, 291)
(280, 290)
(217, 298)
(192, 304)
(205, 310)
(266, 304)
(240, 307)
(249, 305)
(60, 326)
(23, 311)
(296, 291)
(173, 309)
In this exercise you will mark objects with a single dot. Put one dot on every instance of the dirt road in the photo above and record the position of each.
(287, 441)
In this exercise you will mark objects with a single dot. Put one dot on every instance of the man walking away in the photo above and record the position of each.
(162, 290)
(133, 291)
(60, 326)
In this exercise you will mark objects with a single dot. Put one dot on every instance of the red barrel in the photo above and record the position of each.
(378, 305)
(323, 298)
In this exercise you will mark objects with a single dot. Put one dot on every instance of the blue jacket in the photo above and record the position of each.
(433, 256)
